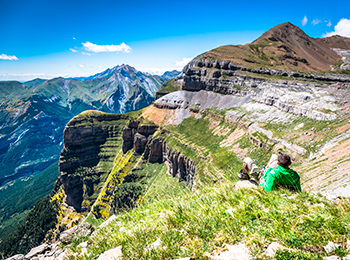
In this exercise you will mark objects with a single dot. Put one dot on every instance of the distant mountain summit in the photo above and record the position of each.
(118, 90)
(284, 46)
(170, 74)
(33, 114)
(124, 68)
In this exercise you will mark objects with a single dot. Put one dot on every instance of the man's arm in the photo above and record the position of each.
(270, 180)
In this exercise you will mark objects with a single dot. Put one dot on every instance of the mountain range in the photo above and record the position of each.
(161, 182)
(34, 114)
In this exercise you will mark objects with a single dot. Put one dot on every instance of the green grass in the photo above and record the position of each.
(193, 224)
(17, 200)
(194, 138)
(168, 87)
(323, 132)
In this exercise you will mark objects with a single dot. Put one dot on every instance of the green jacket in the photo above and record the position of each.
(274, 178)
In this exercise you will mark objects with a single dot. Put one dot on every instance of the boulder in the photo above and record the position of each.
(331, 247)
(84, 229)
(112, 254)
(234, 252)
(16, 257)
(333, 257)
(245, 185)
(111, 218)
(154, 245)
(37, 250)
(272, 249)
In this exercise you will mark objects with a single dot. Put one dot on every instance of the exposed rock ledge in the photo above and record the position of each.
(155, 150)
(227, 67)
(83, 137)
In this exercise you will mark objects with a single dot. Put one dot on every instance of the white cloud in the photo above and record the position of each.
(81, 66)
(342, 28)
(178, 65)
(317, 21)
(8, 57)
(86, 53)
(304, 21)
(182, 63)
(156, 71)
(73, 50)
(106, 48)
(329, 23)
(73, 38)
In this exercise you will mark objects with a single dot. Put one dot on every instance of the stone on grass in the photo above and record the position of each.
(37, 250)
(346, 257)
(83, 246)
(333, 257)
(331, 247)
(272, 249)
(154, 245)
(348, 244)
(112, 254)
(16, 257)
(184, 258)
(61, 255)
(230, 210)
(111, 218)
(80, 230)
(234, 252)
(245, 185)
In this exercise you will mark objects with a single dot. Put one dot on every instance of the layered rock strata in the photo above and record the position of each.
(155, 150)
(300, 98)
(228, 68)
(83, 138)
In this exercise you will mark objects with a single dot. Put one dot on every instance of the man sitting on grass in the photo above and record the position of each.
(282, 176)
(278, 173)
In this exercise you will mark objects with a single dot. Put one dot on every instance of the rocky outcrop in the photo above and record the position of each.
(83, 229)
(136, 136)
(180, 166)
(83, 138)
(300, 98)
(155, 150)
(210, 75)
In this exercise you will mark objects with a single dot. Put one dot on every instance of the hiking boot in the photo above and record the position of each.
(252, 180)
(243, 176)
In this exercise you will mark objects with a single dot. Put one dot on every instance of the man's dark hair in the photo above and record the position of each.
(284, 160)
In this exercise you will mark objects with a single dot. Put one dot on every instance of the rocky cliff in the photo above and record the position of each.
(156, 150)
(91, 142)
(285, 90)
(87, 141)
(34, 114)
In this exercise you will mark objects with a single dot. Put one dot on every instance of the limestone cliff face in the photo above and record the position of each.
(91, 138)
(156, 150)
(212, 75)
(83, 139)
(306, 95)
(179, 166)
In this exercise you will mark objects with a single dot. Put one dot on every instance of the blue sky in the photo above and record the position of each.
(50, 38)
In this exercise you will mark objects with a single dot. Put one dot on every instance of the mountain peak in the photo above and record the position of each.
(282, 32)
(285, 46)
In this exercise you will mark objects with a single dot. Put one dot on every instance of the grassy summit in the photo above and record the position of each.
(197, 224)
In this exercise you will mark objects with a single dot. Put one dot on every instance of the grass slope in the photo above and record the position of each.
(194, 224)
